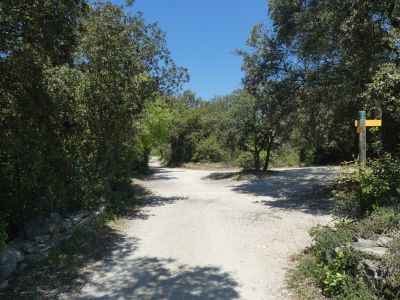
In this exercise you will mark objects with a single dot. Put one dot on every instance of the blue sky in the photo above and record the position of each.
(202, 36)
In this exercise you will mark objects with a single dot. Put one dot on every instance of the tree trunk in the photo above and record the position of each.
(257, 160)
(267, 158)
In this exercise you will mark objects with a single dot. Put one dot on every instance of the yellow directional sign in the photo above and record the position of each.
(370, 123)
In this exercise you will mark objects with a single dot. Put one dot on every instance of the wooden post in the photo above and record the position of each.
(362, 157)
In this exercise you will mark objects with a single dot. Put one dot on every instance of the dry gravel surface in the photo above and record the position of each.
(212, 235)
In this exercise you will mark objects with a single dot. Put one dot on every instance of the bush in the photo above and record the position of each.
(245, 160)
(334, 273)
(209, 150)
(327, 239)
(370, 195)
(363, 188)
(391, 286)
(287, 156)
(332, 264)
(381, 221)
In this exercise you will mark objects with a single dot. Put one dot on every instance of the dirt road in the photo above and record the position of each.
(206, 236)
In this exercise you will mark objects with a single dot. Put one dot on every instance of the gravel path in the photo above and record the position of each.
(206, 236)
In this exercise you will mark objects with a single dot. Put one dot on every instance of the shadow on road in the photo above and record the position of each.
(142, 198)
(62, 273)
(150, 278)
(159, 173)
(305, 189)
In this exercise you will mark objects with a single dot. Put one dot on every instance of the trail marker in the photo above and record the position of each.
(370, 123)
(362, 123)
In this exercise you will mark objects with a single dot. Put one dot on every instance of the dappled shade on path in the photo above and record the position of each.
(153, 278)
(305, 189)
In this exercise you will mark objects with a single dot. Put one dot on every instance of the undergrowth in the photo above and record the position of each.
(368, 207)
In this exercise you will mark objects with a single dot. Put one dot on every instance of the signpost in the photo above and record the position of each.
(362, 123)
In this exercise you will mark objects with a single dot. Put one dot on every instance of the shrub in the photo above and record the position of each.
(245, 160)
(287, 156)
(334, 273)
(327, 239)
(332, 264)
(209, 150)
(381, 221)
(363, 188)
(391, 285)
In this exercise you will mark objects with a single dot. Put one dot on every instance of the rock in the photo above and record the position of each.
(66, 225)
(18, 254)
(16, 243)
(42, 228)
(27, 246)
(42, 238)
(371, 271)
(371, 267)
(9, 258)
(78, 216)
(37, 256)
(4, 284)
(383, 241)
(46, 248)
(22, 267)
(369, 247)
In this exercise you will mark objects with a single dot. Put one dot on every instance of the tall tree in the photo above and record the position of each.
(338, 46)
(36, 35)
(267, 79)
(75, 78)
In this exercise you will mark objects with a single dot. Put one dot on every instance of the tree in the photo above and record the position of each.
(337, 47)
(124, 63)
(156, 124)
(267, 80)
(75, 79)
(36, 36)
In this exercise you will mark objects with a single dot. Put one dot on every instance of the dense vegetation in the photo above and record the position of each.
(227, 129)
(368, 209)
(76, 83)
(304, 83)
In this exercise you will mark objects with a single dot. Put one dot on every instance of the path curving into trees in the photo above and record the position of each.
(206, 235)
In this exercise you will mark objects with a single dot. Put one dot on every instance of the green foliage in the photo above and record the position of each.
(384, 92)
(305, 278)
(371, 195)
(155, 126)
(313, 280)
(333, 265)
(344, 58)
(285, 156)
(3, 232)
(264, 116)
(391, 286)
(363, 188)
(224, 130)
(209, 150)
(381, 221)
(334, 273)
(353, 288)
(245, 160)
(75, 80)
(328, 239)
